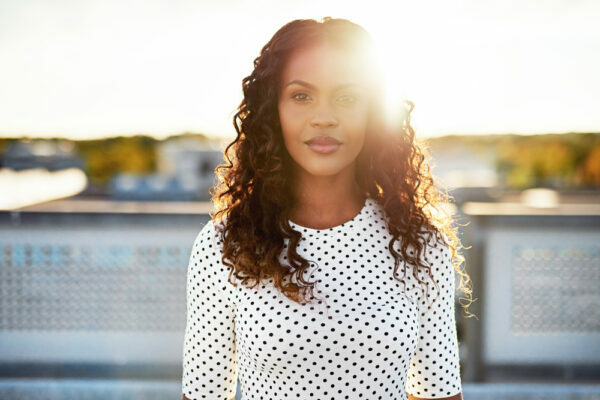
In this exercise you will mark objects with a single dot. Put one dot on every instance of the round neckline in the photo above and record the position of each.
(361, 213)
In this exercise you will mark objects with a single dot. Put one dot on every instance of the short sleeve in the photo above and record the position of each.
(209, 352)
(434, 369)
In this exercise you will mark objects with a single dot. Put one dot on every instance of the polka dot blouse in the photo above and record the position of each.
(365, 340)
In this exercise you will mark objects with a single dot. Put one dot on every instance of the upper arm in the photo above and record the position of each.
(434, 370)
(209, 353)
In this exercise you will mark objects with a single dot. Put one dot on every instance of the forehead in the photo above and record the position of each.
(324, 66)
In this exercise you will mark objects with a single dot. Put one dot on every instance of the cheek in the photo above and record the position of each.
(290, 119)
(290, 126)
(291, 129)
(355, 125)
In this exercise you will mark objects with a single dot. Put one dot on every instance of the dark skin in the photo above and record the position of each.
(328, 194)
(322, 93)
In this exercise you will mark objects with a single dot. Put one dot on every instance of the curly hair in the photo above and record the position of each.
(253, 196)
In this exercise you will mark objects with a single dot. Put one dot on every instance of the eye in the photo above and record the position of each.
(300, 96)
(347, 98)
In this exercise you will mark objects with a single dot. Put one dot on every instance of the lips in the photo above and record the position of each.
(323, 144)
(323, 140)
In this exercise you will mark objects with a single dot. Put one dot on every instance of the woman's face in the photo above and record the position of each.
(323, 93)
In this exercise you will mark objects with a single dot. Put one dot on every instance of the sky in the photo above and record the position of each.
(86, 69)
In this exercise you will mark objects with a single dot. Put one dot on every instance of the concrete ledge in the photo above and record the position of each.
(108, 389)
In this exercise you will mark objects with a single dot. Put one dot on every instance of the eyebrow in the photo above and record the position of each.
(313, 87)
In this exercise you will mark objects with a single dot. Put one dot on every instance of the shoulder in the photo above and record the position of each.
(433, 249)
(206, 249)
(206, 261)
(438, 256)
(207, 274)
(209, 235)
(437, 249)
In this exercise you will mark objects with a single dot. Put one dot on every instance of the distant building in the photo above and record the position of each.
(48, 154)
(152, 187)
(185, 172)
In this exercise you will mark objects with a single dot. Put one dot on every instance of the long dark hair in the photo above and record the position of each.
(254, 196)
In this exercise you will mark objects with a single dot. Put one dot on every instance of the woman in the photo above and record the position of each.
(311, 279)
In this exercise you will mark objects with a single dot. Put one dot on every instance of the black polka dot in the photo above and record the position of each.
(366, 340)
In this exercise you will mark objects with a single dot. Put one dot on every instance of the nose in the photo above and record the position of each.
(323, 117)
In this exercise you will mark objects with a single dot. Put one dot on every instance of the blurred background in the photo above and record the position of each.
(114, 114)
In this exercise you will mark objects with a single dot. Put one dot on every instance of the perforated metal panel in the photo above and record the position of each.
(556, 289)
(541, 295)
(52, 286)
(94, 294)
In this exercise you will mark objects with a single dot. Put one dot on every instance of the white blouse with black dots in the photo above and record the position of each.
(366, 340)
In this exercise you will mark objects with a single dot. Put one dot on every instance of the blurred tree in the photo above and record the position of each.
(558, 160)
(588, 173)
(106, 157)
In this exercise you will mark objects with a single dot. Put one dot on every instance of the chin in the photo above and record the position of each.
(323, 169)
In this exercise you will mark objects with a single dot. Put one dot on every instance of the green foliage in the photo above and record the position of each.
(561, 161)
(106, 157)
